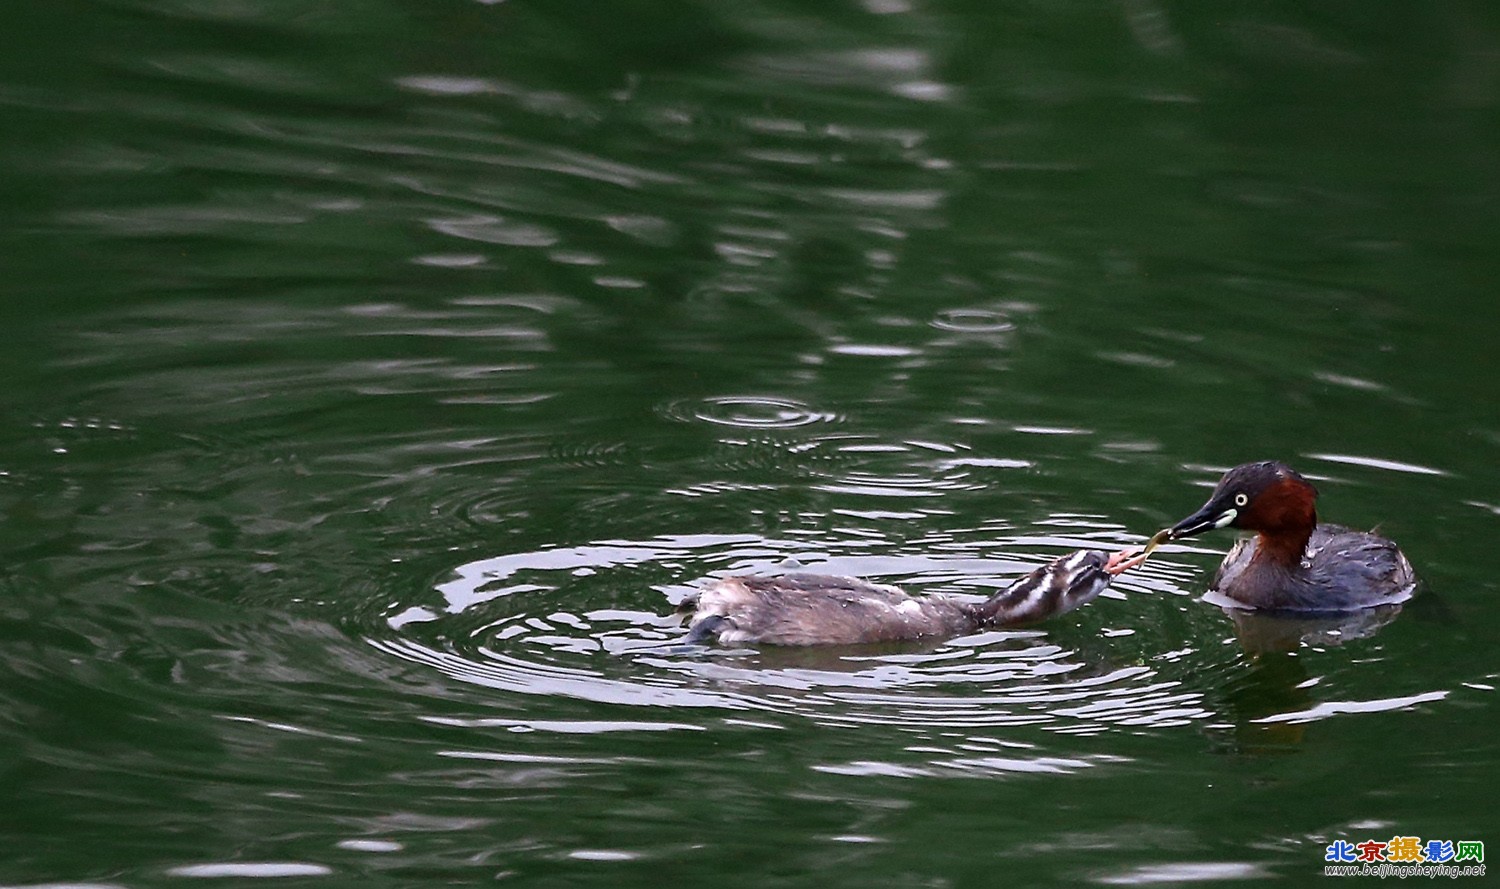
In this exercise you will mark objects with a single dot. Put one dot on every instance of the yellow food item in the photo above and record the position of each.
(1156, 540)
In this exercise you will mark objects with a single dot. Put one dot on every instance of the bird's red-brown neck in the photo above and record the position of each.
(1284, 516)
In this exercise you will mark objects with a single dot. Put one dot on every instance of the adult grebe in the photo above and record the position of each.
(1294, 562)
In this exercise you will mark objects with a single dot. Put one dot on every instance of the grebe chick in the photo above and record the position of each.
(820, 609)
(1294, 563)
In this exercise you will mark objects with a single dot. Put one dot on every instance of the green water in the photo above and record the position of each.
(379, 375)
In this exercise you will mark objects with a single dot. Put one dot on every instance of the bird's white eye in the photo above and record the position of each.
(1241, 499)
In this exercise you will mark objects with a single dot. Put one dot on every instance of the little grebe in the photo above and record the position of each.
(818, 609)
(1294, 563)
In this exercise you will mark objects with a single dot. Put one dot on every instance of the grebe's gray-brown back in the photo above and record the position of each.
(820, 609)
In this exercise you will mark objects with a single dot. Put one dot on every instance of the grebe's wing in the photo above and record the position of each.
(820, 609)
(838, 586)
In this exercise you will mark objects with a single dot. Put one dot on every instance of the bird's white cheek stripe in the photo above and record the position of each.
(1228, 516)
(1073, 562)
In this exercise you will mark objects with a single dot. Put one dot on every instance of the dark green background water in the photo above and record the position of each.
(377, 375)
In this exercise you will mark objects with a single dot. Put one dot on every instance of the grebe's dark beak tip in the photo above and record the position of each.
(1205, 519)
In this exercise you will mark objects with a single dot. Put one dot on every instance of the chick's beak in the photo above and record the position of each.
(1211, 516)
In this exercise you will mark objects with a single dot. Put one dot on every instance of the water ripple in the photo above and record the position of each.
(1378, 463)
(532, 622)
(974, 321)
(747, 412)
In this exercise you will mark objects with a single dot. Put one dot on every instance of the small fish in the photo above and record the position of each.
(1139, 559)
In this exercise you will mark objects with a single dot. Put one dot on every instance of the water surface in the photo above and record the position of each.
(378, 378)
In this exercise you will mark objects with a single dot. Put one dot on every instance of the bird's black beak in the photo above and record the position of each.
(1212, 515)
